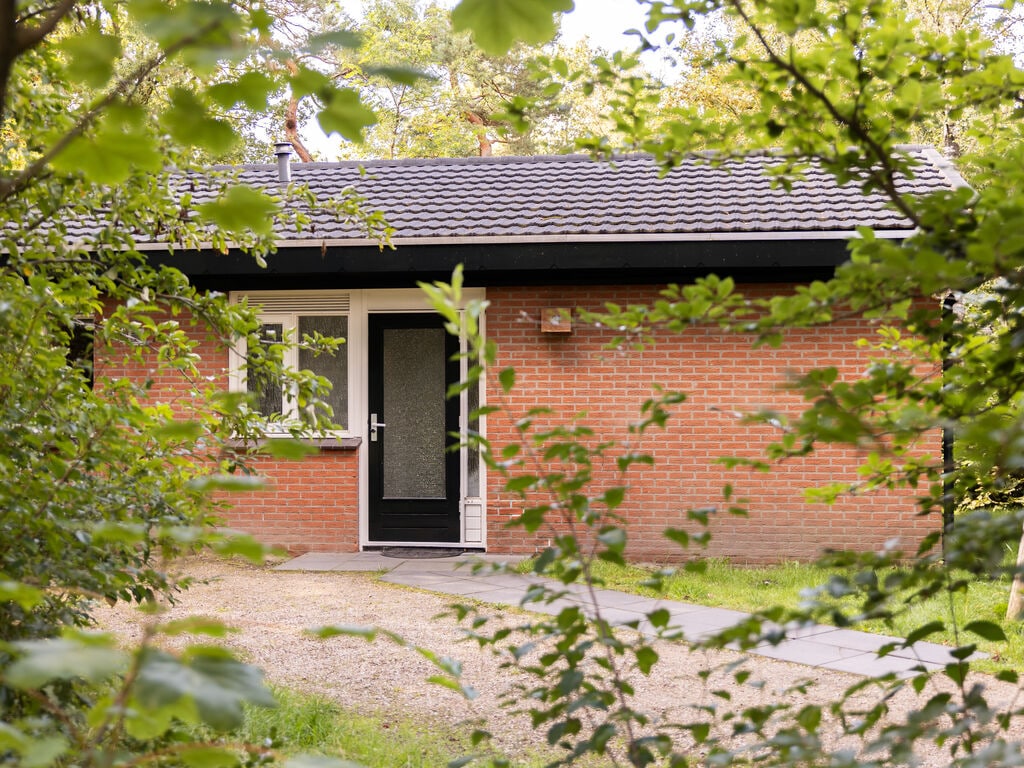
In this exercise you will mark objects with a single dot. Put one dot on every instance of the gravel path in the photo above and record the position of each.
(273, 609)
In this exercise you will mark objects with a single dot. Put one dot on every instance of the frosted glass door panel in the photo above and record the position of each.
(414, 413)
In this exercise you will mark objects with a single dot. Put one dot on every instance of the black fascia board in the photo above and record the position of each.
(594, 263)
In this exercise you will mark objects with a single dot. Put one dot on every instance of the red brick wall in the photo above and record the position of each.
(313, 504)
(721, 375)
(309, 505)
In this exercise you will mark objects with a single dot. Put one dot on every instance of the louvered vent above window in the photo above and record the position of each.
(300, 303)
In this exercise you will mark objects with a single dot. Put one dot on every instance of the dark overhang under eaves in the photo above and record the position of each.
(594, 263)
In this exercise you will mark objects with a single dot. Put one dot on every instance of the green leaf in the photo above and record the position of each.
(43, 751)
(307, 82)
(498, 24)
(241, 544)
(345, 114)
(251, 89)
(924, 631)
(12, 738)
(646, 658)
(957, 672)
(22, 594)
(240, 210)
(507, 379)
(659, 618)
(215, 682)
(227, 482)
(175, 430)
(521, 483)
(613, 497)
(345, 630)
(963, 652)
(190, 124)
(90, 56)
(809, 718)
(119, 532)
(196, 625)
(986, 629)
(208, 757)
(613, 537)
(678, 535)
(700, 731)
(400, 75)
(170, 23)
(121, 145)
(80, 657)
(447, 682)
(288, 448)
(341, 37)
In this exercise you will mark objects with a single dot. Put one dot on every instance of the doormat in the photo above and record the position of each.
(420, 553)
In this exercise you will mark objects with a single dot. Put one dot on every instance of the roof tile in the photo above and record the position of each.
(574, 196)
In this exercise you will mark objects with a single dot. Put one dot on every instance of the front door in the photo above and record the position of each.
(414, 479)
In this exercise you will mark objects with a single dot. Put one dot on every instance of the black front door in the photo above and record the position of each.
(414, 475)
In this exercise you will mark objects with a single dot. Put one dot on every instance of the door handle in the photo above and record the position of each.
(374, 424)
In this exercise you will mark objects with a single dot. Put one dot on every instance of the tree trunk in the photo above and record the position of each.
(291, 130)
(1015, 606)
(291, 120)
(481, 133)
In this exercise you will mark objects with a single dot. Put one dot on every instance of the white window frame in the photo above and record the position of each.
(360, 304)
(285, 308)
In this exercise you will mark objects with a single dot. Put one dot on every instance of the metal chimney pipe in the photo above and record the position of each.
(283, 152)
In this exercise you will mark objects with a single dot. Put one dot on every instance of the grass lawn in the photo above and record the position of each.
(309, 724)
(724, 585)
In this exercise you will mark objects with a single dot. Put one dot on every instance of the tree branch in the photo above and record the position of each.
(10, 188)
(881, 156)
(29, 37)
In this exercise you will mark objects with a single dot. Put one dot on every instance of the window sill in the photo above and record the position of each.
(321, 443)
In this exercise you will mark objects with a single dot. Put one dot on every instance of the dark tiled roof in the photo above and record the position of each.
(575, 198)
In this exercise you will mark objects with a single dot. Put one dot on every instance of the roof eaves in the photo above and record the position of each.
(659, 237)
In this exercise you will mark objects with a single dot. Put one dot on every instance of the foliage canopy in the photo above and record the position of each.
(100, 485)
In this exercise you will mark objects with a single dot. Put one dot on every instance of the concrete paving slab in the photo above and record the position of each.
(614, 599)
(721, 617)
(807, 630)
(502, 596)
(426, 579)
(438, 565)
(354, 561)
(933, 653)
(676, 608)
(551, 609)
(869, 664)
(842, 650)
(862, 641)
(808, 652)
(461, 587)
(617, 616)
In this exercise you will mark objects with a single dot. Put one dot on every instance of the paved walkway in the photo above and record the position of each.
(816, 645)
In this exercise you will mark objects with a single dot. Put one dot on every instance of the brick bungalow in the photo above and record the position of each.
(537, 235)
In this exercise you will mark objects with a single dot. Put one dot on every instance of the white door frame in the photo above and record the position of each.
(473, 528)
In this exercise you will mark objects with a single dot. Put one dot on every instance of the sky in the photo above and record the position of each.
(604, 21)
(601, 20)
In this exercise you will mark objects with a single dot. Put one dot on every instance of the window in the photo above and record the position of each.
(80, 349)
(290, 319)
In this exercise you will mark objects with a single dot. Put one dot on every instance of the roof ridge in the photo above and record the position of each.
(931, 152)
